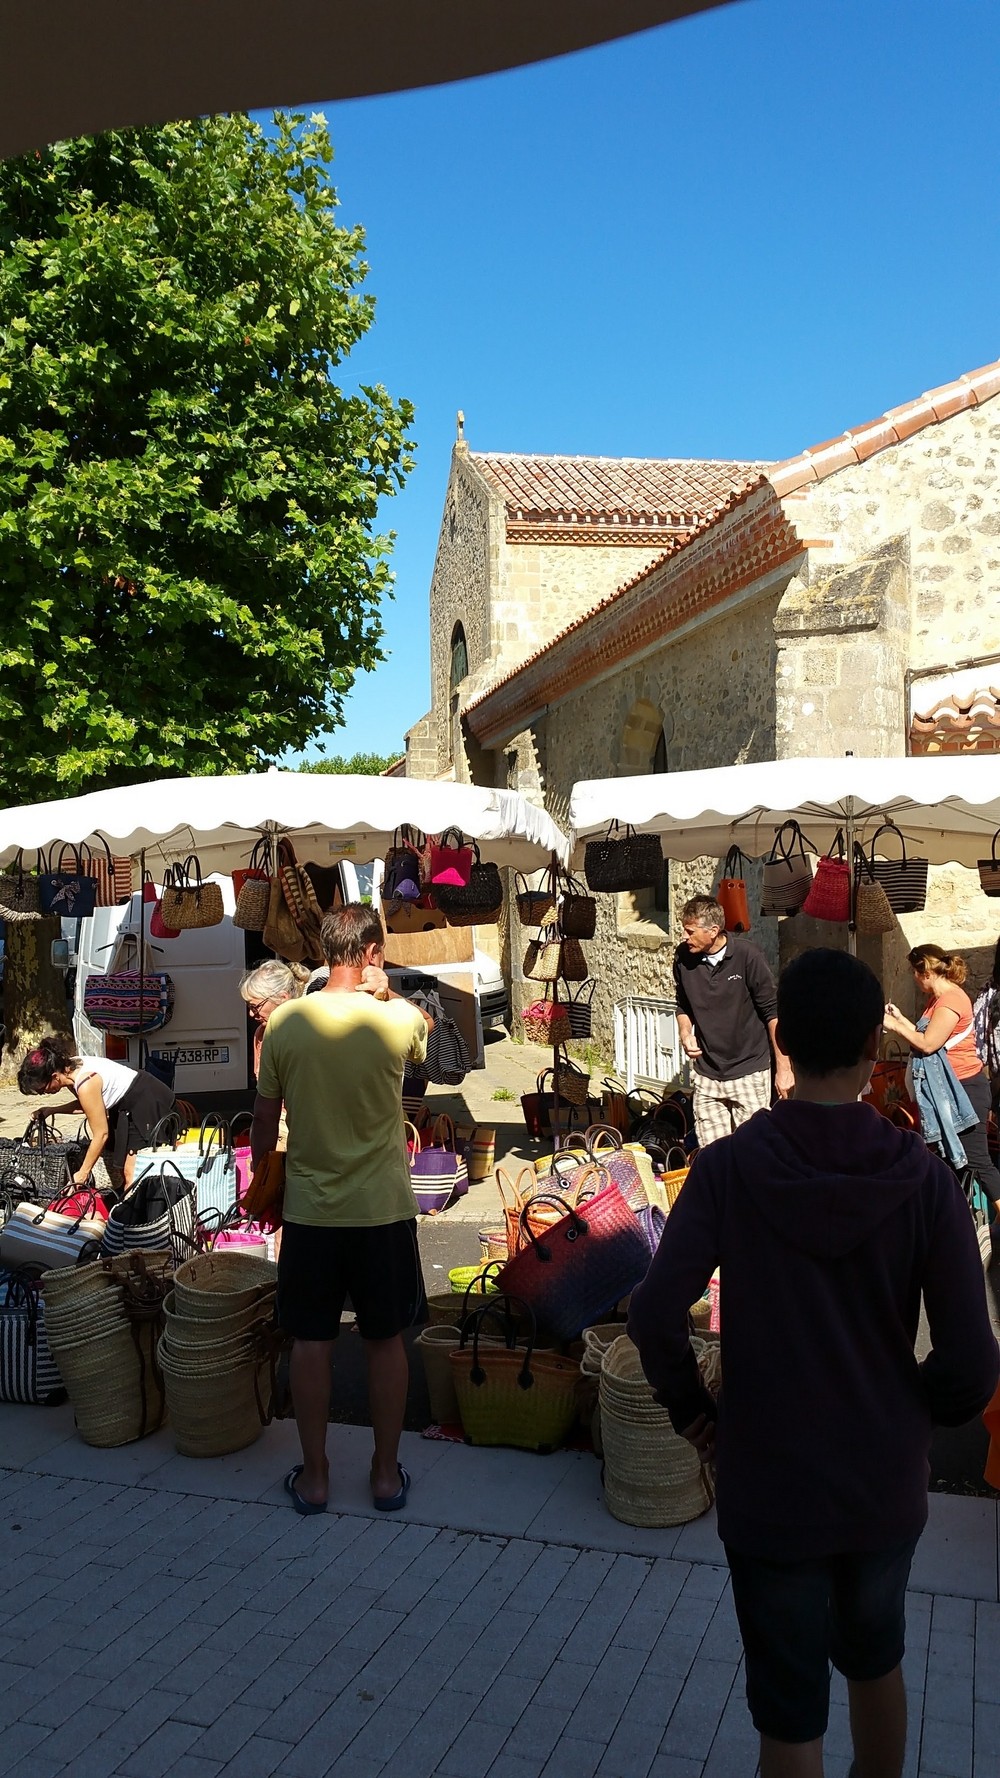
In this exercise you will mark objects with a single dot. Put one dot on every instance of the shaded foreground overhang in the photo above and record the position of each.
(73, 69)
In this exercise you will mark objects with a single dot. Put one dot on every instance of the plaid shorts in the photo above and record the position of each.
(720, 1106)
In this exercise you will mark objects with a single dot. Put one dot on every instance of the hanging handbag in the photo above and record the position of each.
(573, 966)
(555, 1111)
(579, 1010)
(128, 1000)
(903, 879)
(988, 868)
(622, 860)
(264, 1199)
(547, 1021)
(569, 1081)
(401, 878)
(872, 914)
(478, 902)
(72, 894)
(450, 861)
(888, 1089)
(582, 1266)
(107, 872)
(188, 902)
(28, 1372)
(300, 897)
(252, 889)
(52, 1235)
(829, 895)
(732, 893)
(523, 1399)
(577, 911)
(535, 905)
(787, 873)
(543, 957)
(281, 935)
(39, 1163)
(151, 899)
(208, 1162)
(19, 891)
(156, 1216)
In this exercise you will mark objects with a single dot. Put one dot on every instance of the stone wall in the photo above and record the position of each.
(713, 691)
(544, 587)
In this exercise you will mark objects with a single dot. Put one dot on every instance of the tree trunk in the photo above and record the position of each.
(34, 992)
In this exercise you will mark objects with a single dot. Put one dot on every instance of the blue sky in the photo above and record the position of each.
(731, 237)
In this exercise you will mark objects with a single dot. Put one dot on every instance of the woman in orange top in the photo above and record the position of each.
(950, 1027)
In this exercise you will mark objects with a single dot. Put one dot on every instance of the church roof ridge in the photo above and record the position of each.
(667, 493)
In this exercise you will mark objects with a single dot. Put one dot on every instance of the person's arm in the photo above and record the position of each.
(91, 1102)
(940, 1026)
(764, 995)
(960, 1372)
(784, 1079)
(685, 1018)
(375, 982)
(658, 1311)
(264, 1129)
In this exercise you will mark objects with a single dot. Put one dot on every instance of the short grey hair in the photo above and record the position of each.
(272, 980)
(704, 910)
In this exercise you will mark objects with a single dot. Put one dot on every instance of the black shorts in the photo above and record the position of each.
(797, 1617)
(378, 1268)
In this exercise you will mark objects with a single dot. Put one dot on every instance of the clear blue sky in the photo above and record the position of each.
(732, 237)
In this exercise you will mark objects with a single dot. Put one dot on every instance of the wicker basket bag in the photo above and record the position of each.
(652, 1476)
(508, 1395)
(217, 1284)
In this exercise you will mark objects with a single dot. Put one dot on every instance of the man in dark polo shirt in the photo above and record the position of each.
(727, 1019)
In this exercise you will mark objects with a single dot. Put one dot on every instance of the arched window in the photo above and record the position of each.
(459, 659)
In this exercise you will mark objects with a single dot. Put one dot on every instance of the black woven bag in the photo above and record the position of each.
(475, 903)
(903, 879)
(577, 912)
(623, 860)
(38, 1164)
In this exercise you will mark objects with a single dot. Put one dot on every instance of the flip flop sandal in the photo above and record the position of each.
(305, 1507)
(393, 1502)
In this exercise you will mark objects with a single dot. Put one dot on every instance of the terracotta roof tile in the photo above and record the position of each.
(969, 723)
(673, 493)
(899, 423)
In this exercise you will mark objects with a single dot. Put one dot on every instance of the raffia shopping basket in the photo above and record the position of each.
(652, 1476)
(217, 1284)
(103, 1325)
(218, 1352)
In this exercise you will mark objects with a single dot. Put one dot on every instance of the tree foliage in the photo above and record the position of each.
(364, 765)
(189, 563)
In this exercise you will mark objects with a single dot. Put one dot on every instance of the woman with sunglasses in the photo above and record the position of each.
(266, 986)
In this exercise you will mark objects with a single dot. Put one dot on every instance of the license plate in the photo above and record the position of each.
(193, 1058)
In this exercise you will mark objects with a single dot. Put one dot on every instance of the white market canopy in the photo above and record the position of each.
(325, 816)
(948, 807)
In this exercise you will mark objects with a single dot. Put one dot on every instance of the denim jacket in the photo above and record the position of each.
(944, 1105)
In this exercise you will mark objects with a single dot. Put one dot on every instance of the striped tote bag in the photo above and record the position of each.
(28, 1372)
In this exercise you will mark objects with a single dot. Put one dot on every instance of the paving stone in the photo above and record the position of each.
(160, 1752)
(945, 1749)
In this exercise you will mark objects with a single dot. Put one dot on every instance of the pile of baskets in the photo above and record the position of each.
(652, 1476)
(218, 1352)
(103, 1323)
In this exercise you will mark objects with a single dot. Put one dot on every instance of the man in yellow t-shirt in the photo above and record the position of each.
(336, 1059)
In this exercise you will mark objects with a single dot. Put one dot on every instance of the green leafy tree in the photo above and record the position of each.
(190, 566)
(363, 765)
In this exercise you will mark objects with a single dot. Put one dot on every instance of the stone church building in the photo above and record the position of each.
(597, 617)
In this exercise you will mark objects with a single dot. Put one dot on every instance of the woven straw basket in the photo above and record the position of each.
(217, 1406)
(652, 1476)
(217, 1284)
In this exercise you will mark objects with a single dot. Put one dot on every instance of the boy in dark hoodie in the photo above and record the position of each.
(827, 1224)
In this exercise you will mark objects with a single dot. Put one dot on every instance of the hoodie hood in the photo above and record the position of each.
(825, 1177)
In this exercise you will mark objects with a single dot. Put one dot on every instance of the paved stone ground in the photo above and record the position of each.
(170, 1617)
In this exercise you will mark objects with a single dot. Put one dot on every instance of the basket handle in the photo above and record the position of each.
(603, 1133)
(505, 1184)
(480, 1279)
(888, 826)
(477, 1376)
(448, 1123)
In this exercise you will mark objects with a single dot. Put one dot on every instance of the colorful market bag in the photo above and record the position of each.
(252, 889)
(206, 1159)
(903, 879)
(439, 1162)
(188, 902)
(157, 1216)
(401, 879)
(479, 902)
(872, 914)
(300, 897)
(506, 1396)
(732, 893)
(281, 935)
(151, 900)
(829, 895)
(70, 893)
(19, 891)
(450, 861)
(113, 875)
(521, 1193)
(481, 1149)
(128, 1000)
(787, 873)
(622, 860)
(582, 1266)
(888, 1089)
(988, 868)
(28, 1372)
(62, 1233)
(547, 1021)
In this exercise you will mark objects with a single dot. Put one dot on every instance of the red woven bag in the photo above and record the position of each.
(829, 895)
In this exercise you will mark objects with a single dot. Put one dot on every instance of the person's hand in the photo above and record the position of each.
(784, 1080)
(373, 981)
(80, 1179)
(691, 1047)
(36, 1116)
(892, 1018)
(701, 1434)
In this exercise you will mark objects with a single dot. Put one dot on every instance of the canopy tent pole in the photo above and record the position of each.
(852, 930)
